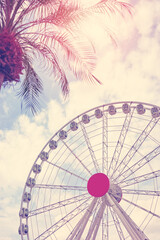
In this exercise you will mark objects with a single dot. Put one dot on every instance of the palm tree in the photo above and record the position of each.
(45, 28)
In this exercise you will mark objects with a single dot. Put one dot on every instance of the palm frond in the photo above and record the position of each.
(2, 20)
(2, 3)
(75, 49)
(41, 9)
(72, 14)
(63, 15)
(16, 9)
(49, 63)
(110, 7)
(17, 19)
(127, 7)
(30, 89)
(79, 56)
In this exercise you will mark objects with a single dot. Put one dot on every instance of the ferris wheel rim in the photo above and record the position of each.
(90, 110)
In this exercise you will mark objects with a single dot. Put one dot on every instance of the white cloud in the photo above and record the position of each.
(56, 116)
(6, 238)
(147, 14)
(19, 148)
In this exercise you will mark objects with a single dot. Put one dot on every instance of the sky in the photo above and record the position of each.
(129, 71)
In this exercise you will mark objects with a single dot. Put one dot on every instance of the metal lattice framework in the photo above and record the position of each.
(121, 140)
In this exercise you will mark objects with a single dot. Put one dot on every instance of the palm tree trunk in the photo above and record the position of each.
(1, 79)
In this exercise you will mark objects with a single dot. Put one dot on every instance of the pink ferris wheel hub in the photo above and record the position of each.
(98, 185)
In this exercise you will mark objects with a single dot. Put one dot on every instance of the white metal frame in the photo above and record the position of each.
(75, 165)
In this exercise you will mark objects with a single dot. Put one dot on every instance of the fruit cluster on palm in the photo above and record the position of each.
(46, 28)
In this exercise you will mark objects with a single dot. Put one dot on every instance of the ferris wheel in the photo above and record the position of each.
(97, 178)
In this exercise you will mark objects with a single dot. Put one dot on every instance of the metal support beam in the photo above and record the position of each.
(79, 228)
(142, 208)
(133, 230)
(92, 233)
(117, 224)
(141, 192)
(62, 187)
(120, 142)
(74, 213)
(124, 162)
(139, 164)
(59, 204)
(90, 148)
(105, 143)
(66, 170)
(77, 158)
(139, 179)
(105, 224)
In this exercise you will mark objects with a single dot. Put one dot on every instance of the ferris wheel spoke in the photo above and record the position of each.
(140, 163)
(91, 151)
(141, 192)
(92, 233)
(66, 170)
(120, 142)
(59, 204)
(117, 224)
(132, 151)
(154, 140)
(105, 143)
(105, 224)
(128, 223)
(142, 208)
(62, 187)
(79, 228)
(67, 218)
(139, 179)
(77, 158)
